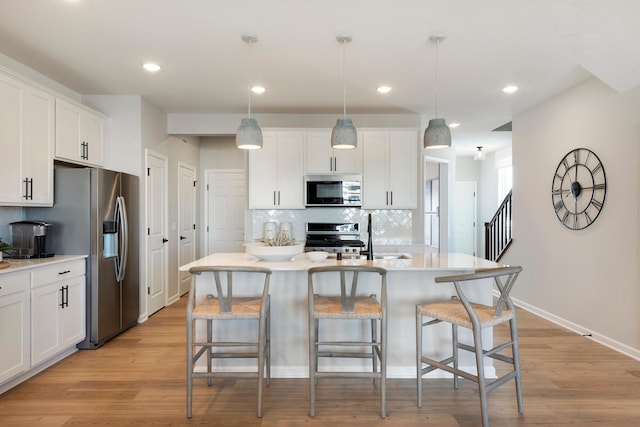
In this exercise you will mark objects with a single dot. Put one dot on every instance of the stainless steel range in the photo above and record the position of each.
(338, 238)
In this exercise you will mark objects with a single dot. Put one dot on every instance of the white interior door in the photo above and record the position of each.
(465, 217)
(156, 222)
(225, 204)
(186, 221)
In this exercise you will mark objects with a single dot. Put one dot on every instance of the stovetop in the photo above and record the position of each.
(333, 237)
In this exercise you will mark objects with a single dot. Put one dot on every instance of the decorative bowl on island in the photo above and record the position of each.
(266, 252)
(317, 256)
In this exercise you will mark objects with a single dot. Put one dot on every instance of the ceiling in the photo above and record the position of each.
(542, 46)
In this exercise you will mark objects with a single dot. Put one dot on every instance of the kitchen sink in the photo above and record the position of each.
(375, 256)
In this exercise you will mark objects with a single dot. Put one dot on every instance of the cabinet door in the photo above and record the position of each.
(14, 324)
(38, 146)
(68, 131)
(80, 134)
(290, 170)
(320, 158)
(262, 173)
(375, 187)
(72, 315)
(11, 98)
(403, 169)
(45, 322)
(92, 128)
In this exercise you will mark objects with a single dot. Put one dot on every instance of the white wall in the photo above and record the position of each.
(587, 279)
(178, 150)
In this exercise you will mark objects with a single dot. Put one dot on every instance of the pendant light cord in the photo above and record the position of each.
(249, 87)
(437, 75)
(344, 79)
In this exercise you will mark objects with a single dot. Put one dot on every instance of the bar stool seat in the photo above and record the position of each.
(345, 303)
(222, 305)
(461, 312)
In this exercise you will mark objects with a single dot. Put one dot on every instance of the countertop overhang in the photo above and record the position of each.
(25, 264)
(416, 261)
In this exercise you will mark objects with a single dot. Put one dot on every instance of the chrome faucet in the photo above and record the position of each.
(369, 251)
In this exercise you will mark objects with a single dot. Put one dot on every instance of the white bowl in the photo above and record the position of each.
(317, 256)
(274, 253)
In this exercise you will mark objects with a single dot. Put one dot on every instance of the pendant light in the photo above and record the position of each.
(249, 134)
(437, 134)
(479, 155)
(344, 134)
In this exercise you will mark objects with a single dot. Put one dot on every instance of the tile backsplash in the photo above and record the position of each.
(390, 227)
(7, 216)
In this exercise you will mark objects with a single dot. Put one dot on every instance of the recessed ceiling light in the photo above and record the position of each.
(454, 125)
(258, 89)
(384, 89)
(510, 89)
(151, 67)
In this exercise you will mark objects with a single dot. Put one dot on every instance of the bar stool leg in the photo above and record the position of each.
(189, 366)
(516, 362)
(209, 350)
(374, 339)
(482, 385)
(419, 355)
(454, 341)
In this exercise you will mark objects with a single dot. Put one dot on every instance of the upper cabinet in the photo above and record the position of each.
(276, 171)
(80, 134)
(322, 159)
(389, 169)
(26, 143)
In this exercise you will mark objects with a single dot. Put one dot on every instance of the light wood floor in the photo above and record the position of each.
(139, 379)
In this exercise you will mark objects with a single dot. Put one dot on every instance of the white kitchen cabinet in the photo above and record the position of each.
(57, 309)
(389, 179)
(27, 142)
(322, 159)
(276, 171)
(80, 134)
(14, 324)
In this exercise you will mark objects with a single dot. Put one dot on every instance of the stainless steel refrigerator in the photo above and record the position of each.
(95, 212)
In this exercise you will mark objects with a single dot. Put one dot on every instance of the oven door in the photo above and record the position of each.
(333, 191)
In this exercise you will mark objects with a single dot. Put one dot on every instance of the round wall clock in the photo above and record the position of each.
(579, 188)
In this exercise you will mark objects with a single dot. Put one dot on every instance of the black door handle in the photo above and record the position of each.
(164, 240)
(182, 238)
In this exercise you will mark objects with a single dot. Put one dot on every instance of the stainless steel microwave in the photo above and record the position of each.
(333, 190)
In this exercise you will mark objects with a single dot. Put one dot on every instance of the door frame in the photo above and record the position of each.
(207, 225)
(194, 170)
(144, 284)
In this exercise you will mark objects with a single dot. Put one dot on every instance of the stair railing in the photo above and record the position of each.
(497, 232)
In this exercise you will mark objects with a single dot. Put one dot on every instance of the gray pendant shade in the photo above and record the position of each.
(437, 134)
(344, 134)
(249, 134)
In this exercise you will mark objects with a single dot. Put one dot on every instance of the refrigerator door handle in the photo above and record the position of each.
(121, 219)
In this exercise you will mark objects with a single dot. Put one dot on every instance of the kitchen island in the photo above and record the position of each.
(410, 280)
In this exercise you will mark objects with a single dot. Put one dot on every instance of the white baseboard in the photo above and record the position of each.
(581, 330)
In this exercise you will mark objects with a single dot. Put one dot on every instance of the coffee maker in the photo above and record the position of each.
(28, 239)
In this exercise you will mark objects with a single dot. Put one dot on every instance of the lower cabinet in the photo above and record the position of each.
(14, 324)
(57, 309)
(42, 318)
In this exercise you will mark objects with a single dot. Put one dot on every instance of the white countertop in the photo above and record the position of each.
(25, 264)
(417, 261)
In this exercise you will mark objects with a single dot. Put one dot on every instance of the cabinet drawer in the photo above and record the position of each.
(14, 282)
(56, 272)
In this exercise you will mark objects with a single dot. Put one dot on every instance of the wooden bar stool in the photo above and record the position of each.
(223, 305)
(476, 317)
(347, 304)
